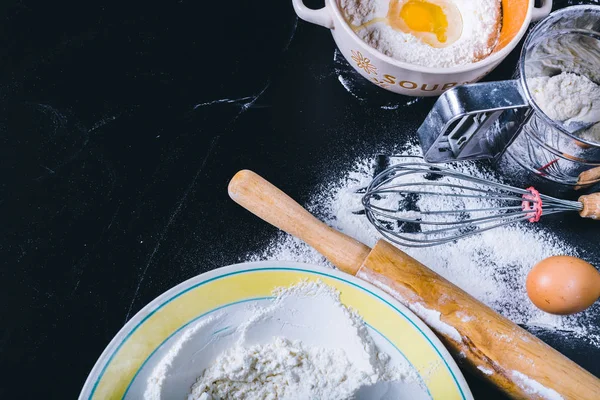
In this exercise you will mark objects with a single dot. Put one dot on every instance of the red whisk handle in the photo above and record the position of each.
(532, 204)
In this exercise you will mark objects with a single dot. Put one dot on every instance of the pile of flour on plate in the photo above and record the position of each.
(336, 358)
(291, 369)
(569, 97)
(491, 266)
(481, 28)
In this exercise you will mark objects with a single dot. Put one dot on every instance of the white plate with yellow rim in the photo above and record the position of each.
(123, 368)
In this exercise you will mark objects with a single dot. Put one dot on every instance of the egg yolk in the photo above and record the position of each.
(422, 16)
(436, 22)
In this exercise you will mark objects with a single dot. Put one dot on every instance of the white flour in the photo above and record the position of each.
(433, 319)
(534, 388)
(569, 97)
(491, 266)
(481, 26)
(290, 369)
(280, 370)
(159, 373)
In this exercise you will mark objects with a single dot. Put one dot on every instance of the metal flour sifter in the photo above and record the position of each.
(501, 119)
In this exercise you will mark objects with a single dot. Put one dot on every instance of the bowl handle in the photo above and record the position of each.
(321, 16)
(540, 12)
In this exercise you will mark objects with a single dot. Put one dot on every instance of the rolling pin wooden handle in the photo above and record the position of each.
(264, 200)
(591, 206)
(588, 178)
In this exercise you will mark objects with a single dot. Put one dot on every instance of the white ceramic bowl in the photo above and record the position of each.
(414, 80)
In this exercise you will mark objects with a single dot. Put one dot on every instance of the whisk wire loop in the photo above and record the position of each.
(396, 202)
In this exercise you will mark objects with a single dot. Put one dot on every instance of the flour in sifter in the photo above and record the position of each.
(569, 97)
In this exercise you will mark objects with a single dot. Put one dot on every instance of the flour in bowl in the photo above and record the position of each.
(436, 33)
(290, 369)
(335, 357)
(282, 369)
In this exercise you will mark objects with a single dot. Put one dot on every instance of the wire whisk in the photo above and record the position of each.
(417, 204)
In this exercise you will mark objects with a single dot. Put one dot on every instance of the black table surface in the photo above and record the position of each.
(120, 126)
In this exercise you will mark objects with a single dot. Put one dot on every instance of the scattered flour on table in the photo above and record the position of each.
(290, 369)
(348, 85)
(569, 97)
(491, 266)
(481, 26)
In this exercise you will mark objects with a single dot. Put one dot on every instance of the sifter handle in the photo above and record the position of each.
(591, 206)
(267, 202)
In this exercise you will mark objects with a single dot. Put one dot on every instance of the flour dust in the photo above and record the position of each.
(491, 266)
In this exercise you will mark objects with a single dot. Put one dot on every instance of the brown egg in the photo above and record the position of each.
(563, 285)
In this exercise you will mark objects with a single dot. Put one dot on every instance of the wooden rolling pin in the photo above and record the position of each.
(492, 346)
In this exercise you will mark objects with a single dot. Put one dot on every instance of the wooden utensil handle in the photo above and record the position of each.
(492, 346)
(591, 206)
(272, 205)
(592, 174)
(588, 178)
